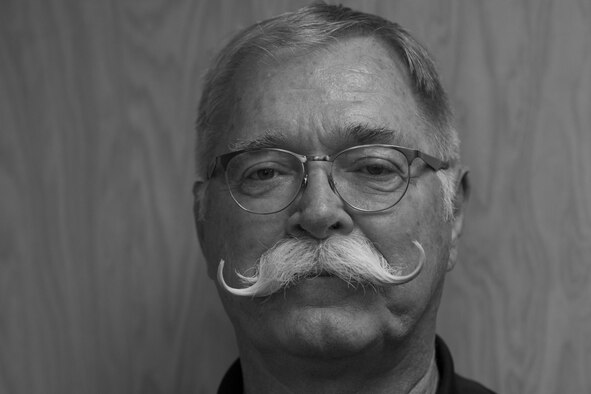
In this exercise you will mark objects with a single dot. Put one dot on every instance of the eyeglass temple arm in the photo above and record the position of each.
(433, 162)
(221, 161)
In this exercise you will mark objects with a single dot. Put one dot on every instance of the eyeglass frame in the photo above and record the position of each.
(410, 154)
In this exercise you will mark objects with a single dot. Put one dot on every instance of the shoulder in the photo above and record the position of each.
(449, 381)
(232, 380)
(467, 386)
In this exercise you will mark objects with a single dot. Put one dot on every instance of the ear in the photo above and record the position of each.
(199, 208)
(199, 188)
(462, 193)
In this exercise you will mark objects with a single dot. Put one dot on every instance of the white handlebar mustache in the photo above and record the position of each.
(353, 258)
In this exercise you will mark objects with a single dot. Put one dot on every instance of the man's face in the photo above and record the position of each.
(305, 103)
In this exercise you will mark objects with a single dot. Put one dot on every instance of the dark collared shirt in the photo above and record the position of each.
(449, 381)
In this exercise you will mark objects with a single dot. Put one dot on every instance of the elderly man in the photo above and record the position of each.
(330, 205)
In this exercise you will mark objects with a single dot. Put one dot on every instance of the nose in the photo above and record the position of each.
(319, 211)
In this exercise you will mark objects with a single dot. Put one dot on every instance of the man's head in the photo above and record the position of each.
(319, 83)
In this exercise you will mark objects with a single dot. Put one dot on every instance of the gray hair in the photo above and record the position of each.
(313, 27)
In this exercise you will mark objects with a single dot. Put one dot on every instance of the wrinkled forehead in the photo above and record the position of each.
(352, 63)
(354, 87)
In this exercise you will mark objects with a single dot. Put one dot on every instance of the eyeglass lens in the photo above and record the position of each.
(368, 178)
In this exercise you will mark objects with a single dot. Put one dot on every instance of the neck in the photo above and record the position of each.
(413, 372)
(428, 383)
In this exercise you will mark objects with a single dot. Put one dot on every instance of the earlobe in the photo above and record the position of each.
(462, 193)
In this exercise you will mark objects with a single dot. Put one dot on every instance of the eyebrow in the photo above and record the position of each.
(362, 134)
(349, 135)
(270, 139)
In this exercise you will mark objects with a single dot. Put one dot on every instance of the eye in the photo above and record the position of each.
(375, 169)
(263, 174)
(267, 171)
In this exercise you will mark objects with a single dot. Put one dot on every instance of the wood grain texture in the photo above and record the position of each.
(102, 286)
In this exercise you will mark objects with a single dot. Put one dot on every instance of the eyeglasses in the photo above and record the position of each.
(368, 178)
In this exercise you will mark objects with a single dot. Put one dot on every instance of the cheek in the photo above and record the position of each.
(418, 217)
(235, 235)
(393, 237)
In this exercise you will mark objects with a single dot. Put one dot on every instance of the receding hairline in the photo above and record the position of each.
(277, 56)
(243, 75)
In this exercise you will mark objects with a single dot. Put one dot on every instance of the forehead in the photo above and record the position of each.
(318, 101)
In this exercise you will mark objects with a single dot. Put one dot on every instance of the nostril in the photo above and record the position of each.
(335, 226)
(299, 231)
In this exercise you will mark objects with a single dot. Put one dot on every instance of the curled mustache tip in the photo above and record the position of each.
(248, 291)
(407, 278)
(222, 281)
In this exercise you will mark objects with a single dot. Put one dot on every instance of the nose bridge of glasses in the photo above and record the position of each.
(326, 158)
(318, 158)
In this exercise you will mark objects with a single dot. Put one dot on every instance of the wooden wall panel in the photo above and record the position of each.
(102, 286)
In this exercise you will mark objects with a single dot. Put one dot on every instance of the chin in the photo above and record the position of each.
(327, 318)
(329, 333)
